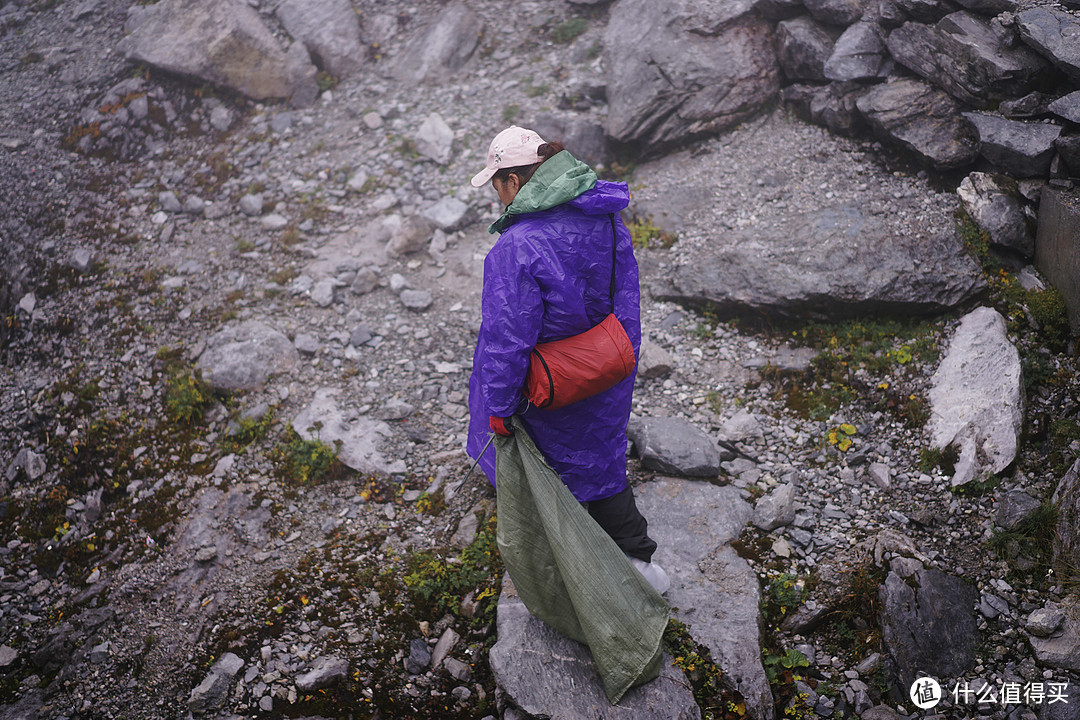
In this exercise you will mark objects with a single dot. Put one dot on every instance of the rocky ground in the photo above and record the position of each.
(166, 550)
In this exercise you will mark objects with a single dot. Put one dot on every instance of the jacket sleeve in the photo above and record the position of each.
(511, 317)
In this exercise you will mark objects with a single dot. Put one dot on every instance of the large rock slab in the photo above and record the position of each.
(837, 12)
(358, 440)
(1067, 501)
(928, 626)
(245, 356)
(824, 265)
(220, 41)
(546, 674)
(1062, 649)
(444, 47)
(859, 54)
(1021, 149)
(1053, 34)
(674, 446)
(681, 69)
(994, 202)
(977, 399)
(329, 30)
(921, 118)
(716, 591)
(969, 60)
(1057, 247)
(802, 47)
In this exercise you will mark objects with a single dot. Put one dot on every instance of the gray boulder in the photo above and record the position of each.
(435, 139)
(921, 118)
(443, 49)
(674, 446)
(776, 509)
(1067, 107)
(1062, 650)
(821, 265)
(1013, 508)
(859, 54)
(1053, 34)
(686, 68)
(967, 58)
(1067, 501)
(1021, 149)
(546, 674)
(330, 31)
(996, 206)
(245, 356)
(977, 399)
(832, 106)
(1044, 621)
(411, 236)
(928, 626)
(716, 591)
(925, 11)
(837, 12)
(448, 213)
(327, 670)
(210, 693)
(802, 47)
(358, 440)
(220, 41)
(1032, 105)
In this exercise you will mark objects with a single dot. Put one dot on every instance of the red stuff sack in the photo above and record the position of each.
(565, 371)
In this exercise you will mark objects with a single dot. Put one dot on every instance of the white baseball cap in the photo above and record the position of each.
(513, 147)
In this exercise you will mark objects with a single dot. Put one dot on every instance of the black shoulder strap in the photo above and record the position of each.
(614, 240)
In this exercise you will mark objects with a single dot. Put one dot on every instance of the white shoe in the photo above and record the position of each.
(653, 573)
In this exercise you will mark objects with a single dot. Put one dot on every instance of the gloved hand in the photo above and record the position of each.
(498, 424)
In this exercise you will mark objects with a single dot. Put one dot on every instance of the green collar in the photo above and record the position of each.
(558, 180)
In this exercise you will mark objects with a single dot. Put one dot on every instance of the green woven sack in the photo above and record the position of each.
(570, 573)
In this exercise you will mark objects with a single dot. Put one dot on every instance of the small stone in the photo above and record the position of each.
(81, 260)
(1044, 621)
(194, 205)
(416, 300)
(8, 656)
(457, 669)
(880, 474)
(221, 118)
(251, 205)
(361, 335)
(327, 670)
(306, 344)
(419, 656)
(323, 292)
(100, 653)
(358, 181)
(169, 203)
(366, 280)
(274, 221)
(373, 120)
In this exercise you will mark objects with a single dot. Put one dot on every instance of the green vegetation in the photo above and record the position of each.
(438, 583)
(1033, 537)
(696, 662)
(510, 112)
(870, 360)
(943, 459)
(568, 31)
(305, 462)
(325, 81)
(645, 234)
(840, 437)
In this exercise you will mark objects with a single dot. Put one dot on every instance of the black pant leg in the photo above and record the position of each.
(620, 518)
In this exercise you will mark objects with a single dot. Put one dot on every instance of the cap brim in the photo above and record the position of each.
(481, 178)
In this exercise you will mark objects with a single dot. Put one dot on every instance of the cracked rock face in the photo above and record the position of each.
(678, 70)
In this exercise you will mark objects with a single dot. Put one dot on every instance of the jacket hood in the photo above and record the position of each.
(560, 179)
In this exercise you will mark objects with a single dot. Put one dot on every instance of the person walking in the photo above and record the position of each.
(548, 277)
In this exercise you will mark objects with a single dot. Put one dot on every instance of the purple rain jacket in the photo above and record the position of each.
(547, 278)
